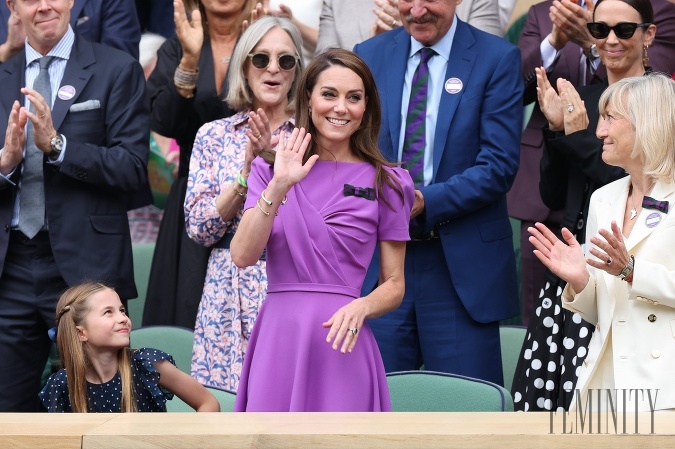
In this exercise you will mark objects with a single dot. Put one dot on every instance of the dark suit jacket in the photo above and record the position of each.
(105, 161)
(475, 159)
(110, 22)
(524, 200)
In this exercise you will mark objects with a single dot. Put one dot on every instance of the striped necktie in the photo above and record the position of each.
(412, 156)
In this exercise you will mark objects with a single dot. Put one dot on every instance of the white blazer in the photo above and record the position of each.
(641, 316)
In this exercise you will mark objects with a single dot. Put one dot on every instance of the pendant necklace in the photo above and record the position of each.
(633, 211)
(226, 59)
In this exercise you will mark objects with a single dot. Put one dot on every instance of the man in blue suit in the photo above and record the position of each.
(110, 22)
(460, 265)
(88, 154)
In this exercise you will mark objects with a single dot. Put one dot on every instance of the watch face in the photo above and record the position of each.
(594, 51)
(57, 143)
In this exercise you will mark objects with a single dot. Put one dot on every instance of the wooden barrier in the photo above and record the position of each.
(331, 430)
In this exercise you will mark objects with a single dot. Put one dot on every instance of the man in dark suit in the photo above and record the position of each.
(90, 137)
(110, 22)
(460, 266)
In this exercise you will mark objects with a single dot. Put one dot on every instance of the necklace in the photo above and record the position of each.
(633, 211)
(226, 59)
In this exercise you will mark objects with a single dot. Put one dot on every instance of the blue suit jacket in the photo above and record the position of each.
(476, 153)
(110, 22)
(105, 162)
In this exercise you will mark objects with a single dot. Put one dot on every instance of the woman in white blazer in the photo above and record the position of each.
(625, 284)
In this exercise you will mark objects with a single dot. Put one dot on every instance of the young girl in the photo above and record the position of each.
(101, 373)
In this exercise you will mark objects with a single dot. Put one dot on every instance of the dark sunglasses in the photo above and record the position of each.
(262, 60)
(623, 30)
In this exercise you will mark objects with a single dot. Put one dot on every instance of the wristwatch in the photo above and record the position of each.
(628, 269)
(592, 52)
(57, 146)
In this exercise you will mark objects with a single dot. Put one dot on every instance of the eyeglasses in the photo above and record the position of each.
(262, 60)
(623, 30)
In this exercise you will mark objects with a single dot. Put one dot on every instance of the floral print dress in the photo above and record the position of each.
(231, 296)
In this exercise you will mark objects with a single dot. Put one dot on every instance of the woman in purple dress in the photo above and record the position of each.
(320, 211)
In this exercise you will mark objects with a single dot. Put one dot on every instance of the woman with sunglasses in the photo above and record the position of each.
(571, 170)
(320, 210)
(265, 69)
(186, 90)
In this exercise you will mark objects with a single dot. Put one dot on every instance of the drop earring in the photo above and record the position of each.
(645, 57)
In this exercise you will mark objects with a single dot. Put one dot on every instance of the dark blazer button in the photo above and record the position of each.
(6, 228)
(651, 318)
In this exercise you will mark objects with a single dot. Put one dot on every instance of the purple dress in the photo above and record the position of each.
(320, 247)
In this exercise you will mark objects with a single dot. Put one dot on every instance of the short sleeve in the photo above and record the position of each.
(147, 376)
(394, 218)
(261, 175)
(54, 394)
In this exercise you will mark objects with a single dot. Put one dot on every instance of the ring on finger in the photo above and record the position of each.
(570, 108)
(609, 261)
(393, 23)
(354, 331)
(42, 115)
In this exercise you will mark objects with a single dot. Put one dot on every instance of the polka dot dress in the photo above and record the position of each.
(107, 397)
(554, 350)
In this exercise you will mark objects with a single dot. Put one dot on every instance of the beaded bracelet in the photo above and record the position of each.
(242, 181)
(185, 79)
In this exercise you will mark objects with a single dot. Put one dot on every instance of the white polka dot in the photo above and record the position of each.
(557, 309)
(517, 397)
(556, 328)
(538, 311)
(576, 372)
(576, 318)
(581, 352)
(548, 321)
(568, 386)
(546, 303)
(583, 332)
(548, 404)
(558, 292)
(538, 382)
(540, 402)
(551, 366)
(562, 369)
(536, 364)
(527, 354)
(535, 345)
(553, 348)
(568, 343)
(550, 385)
(527, 406)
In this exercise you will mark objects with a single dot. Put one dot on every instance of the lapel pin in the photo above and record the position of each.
(653, 220)
(66, 92)
(453, 85)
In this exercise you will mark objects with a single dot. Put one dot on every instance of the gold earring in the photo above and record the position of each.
(645, 57)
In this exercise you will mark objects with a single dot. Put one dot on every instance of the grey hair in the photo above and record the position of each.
(239, 96)
(648, 102)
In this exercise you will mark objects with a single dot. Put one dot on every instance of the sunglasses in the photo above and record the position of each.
(262, 60)
(623, 30)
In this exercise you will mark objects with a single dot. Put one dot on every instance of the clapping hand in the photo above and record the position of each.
(565, 259)
(550, 103)
(190, 32)
(387, 16)
(575, 117)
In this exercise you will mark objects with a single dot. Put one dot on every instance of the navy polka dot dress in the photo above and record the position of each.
(107, 397)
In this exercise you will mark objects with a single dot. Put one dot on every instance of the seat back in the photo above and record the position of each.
(430, 391)
(511, 340)
(174, 340)
(225, 398)
(142, 254)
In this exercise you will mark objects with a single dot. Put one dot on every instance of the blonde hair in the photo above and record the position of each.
(71, 311)
(648, 102)
(239, 95)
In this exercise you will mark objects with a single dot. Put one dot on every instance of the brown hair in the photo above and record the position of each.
(363, 142)
(71, 311)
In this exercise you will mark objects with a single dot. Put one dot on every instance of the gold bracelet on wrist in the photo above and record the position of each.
(269, 203)
(257, 203)
(237, 191)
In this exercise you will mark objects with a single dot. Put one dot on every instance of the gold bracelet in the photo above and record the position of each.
(238, 192)
(257, 203)
(269, 203)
